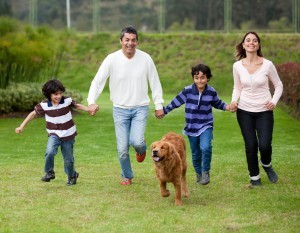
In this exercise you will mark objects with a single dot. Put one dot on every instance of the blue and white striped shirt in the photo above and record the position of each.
(198, 108)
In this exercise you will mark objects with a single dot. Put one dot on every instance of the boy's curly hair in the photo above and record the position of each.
(52, 86)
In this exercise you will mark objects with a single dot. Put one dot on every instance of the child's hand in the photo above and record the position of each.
(19, 130)
(233, 106)
(92, 109)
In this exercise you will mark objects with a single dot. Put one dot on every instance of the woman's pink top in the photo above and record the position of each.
(252, 91)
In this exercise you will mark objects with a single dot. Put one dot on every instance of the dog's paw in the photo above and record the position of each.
(185, 194)
(178, 202)
(166, 193)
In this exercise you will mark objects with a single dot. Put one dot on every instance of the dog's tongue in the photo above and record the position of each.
(156, 159)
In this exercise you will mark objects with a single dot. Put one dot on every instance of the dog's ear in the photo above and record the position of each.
(153, 145)
(170, 148)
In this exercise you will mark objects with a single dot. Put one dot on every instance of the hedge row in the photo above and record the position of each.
(290, 75)
(22, 97)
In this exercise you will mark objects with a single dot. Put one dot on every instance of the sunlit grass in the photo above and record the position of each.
(97, 203)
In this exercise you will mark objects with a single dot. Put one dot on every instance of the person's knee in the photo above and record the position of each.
(251, 148)
(50, 152)
(265, 148)
(123, 154)
(207, 148)
(138, 145)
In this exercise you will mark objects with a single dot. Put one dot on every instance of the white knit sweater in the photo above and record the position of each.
(128, 80)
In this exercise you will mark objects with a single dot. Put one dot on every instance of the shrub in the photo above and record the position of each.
(290, 75)
(8, 25)
(22, 97)
(28, 54)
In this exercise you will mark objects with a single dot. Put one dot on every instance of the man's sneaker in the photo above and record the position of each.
(255, 183)
(125, 181)
(271, 174)
(72, 180)
(140, 157)
(50, 175)
(205, 178)
(198, 178)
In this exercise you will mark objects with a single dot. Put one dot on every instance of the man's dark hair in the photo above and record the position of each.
(130, 30)
(52, 86)
(203, 68)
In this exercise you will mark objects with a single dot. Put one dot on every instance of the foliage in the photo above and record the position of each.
(8, 25)
(290, 75)
(146, 15)
(97, 203)
(22, 97)
(280, 25)
(174, 54)
(27, 54)
(187, 25)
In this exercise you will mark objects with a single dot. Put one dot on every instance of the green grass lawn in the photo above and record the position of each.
(97, 203)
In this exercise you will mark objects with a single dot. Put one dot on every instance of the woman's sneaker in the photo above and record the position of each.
(72, 180)
(50, 175)
(255, 183)
(271, 174)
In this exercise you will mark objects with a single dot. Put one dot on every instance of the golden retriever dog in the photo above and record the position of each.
(169, 157)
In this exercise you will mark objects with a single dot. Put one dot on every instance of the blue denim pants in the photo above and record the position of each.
(201, 149)
(130, 126)
(67, 152)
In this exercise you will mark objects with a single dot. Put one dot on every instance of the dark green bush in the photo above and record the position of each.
(22, 97)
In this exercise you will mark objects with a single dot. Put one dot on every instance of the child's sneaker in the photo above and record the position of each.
(72, 180)
(50, 175)
(205, 178)
(198, 178)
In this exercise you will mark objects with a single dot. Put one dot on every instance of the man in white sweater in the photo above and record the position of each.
(129, 70)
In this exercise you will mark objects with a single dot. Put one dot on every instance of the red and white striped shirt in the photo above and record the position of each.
(58, 118)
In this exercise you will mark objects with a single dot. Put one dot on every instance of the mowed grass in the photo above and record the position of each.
(97, 203)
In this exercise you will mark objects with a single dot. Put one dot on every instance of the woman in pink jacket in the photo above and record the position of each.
(251, 96)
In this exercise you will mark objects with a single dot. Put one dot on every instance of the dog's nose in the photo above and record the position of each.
(154, 152)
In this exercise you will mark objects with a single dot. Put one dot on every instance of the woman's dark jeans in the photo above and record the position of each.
(257, 130)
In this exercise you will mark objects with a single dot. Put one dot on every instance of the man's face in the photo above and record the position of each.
(129, 43)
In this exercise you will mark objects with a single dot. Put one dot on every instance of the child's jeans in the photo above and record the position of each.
(67, 152)
(202, 150)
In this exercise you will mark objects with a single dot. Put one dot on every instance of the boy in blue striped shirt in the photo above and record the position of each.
(199, 98)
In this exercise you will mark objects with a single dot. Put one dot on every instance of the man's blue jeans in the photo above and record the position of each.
(201, 149)
(67, 152)
(130, 125)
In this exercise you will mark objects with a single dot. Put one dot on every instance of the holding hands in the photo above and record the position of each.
(159, 114)
(233, 106)
(92, 109)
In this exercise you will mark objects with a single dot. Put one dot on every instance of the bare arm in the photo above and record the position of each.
(25, 122)
(82, 107)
